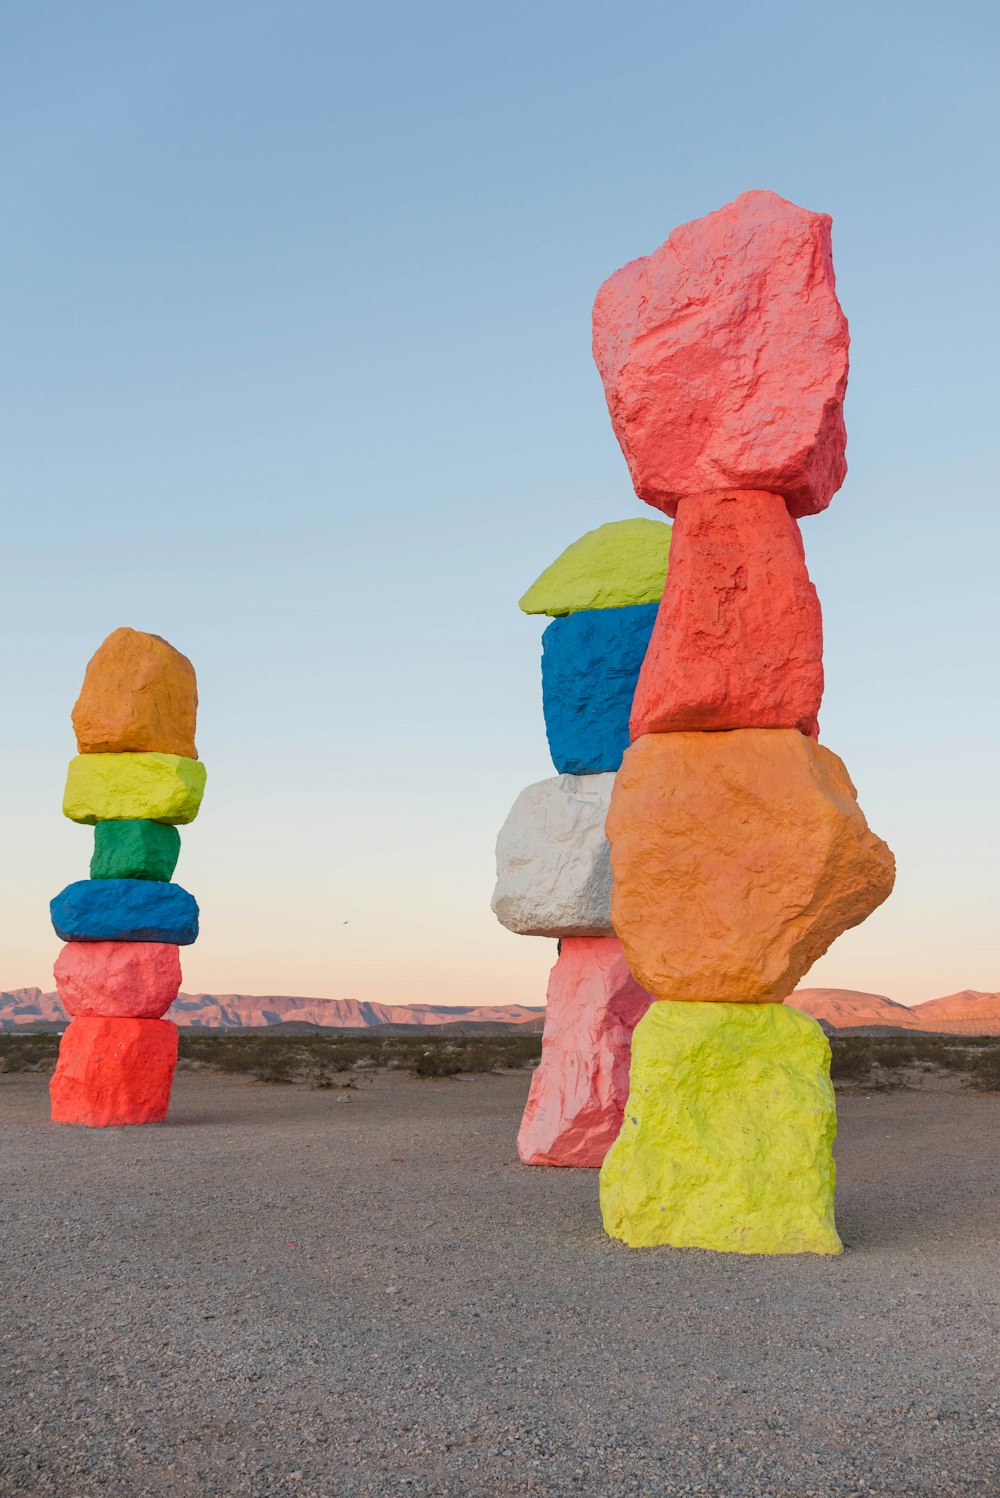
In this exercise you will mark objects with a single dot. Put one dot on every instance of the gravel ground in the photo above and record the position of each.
(287, 1291)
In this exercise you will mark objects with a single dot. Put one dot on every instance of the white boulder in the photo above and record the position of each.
(553, 859)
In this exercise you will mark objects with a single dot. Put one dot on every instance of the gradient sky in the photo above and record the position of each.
(296, 371)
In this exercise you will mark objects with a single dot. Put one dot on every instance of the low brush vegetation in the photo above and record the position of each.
(328, 1060)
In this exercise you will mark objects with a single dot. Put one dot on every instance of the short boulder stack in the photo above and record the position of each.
(553, 858)
(136, 776)
(738, 849)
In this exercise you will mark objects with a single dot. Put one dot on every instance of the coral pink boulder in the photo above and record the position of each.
(118, 979)
(114, 1071)
(578, 1091)
(724, 358)
(738, 639)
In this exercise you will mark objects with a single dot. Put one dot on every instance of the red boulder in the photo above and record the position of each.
(114, 1071)
(738, 640)
(724, 358)
(118, 979)
(578, 1091)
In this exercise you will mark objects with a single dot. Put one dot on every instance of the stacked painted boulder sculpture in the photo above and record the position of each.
(136, 777)
(738, 849)
(553, 860)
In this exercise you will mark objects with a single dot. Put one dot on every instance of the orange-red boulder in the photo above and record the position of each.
(738, 639)
(579, 1089)
(724, 358)
(737, 859)
(114, 1071)
(138, 694)
(118, 979)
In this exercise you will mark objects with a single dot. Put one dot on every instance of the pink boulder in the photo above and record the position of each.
(738, 640)
(114, 1071)
(578, 1091)
(724, 358)
(118, 979)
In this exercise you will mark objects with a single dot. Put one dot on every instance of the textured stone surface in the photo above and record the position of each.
(578, 1090)
(133, 787)
(134, 850)
(138, 693)
(738, 858)
(590, 666)
(114, 1071)
(125, 910)
(738, 641)
(724, 358)
(615, 566)
(728, 1133)
(116, 979)
(553, 869)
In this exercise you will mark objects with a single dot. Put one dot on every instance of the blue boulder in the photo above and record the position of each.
(590, 665)
(125, 910)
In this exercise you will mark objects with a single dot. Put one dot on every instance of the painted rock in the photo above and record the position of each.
(114, 910)
(135, 850)
(553, 869)
(114, 1071)
(738, 858)
(617, 565)
(133, 787)
(728, 1133)
(578, 1090)
(138, 693)
(590, 666)
(115, 979)
(738, 641)
(724, 358)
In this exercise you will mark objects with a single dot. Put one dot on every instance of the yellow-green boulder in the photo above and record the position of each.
(728, 1133)
(618, 564)
(141, 787)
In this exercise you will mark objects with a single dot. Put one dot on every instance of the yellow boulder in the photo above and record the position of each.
(728, 1133)
(140, 787)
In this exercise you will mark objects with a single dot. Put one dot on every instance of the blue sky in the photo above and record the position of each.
(296, 371)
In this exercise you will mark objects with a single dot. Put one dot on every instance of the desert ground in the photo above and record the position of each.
(360, 1291)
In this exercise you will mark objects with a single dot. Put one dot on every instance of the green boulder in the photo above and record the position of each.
(135, 850)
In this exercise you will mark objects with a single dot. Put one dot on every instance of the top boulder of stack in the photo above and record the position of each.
(724, 358)
(139, 694)
(616, 565)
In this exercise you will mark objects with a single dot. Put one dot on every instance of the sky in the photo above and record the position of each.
(295, 370)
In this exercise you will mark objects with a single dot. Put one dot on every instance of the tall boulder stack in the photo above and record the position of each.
(553, 858)
(136, 778)
(738, 849)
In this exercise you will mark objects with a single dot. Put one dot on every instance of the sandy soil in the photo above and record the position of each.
(286, 1291)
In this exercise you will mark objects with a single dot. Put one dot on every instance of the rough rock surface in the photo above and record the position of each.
(590, 666)
(114, 1071)
(728, 1133)
(133, 787)
(724, 358)
(553, 868)
(138, 693)
(578, 1090)
(135, 850)
(738, 858)
(738, 640)
(116, 979)
(125, 910)
(615, 566)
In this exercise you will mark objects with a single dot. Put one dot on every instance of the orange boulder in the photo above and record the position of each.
(738, 639)
(114, 1071)
(737, 859)
(138, 694)
(578, 1090)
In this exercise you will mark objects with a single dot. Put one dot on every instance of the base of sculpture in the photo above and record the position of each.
(114, 1071)
(578, 1091)
(728, 1132)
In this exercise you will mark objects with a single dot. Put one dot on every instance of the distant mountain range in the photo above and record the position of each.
(969, 1012)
